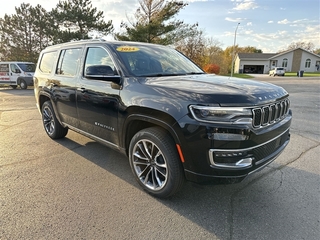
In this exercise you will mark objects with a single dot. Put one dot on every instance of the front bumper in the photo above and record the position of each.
(209, 159)
(238, 159)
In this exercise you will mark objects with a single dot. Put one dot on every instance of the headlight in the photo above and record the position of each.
(229, 115)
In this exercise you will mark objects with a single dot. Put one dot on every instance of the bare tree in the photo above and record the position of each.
(309, 46)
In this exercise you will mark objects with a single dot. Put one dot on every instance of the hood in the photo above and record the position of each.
(210, 88)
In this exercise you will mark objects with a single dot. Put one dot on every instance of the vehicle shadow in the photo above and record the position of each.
(268, 205)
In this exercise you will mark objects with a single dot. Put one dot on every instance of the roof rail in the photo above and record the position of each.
(90, 40)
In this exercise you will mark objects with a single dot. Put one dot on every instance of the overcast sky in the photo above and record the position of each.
(270, 25)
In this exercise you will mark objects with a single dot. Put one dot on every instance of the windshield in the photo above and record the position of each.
(154, 60)
(27, 67)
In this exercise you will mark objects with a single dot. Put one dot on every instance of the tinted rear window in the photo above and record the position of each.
(47, 61)
(69, 58)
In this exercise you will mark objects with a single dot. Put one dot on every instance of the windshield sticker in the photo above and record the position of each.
(127, 49)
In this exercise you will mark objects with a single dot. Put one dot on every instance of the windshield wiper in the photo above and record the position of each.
(168, 74)
(161, 74)
(194, 73)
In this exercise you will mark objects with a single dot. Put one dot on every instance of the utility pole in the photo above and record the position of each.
(234, 46)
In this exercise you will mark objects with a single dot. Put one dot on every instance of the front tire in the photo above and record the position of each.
(50, 122)
(23, 84)
(155, 162)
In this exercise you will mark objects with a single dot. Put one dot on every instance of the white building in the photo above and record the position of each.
(292, 61)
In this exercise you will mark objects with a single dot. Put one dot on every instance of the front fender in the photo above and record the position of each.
(147, 118)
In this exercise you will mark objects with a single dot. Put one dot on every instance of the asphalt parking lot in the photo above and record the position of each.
(75, 188)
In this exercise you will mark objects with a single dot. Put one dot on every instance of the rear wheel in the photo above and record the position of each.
(155, 162)
(50, 122)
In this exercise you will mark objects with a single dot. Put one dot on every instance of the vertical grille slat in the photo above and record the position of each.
(283, 108)
(270, 114)
(273, 113)
(257, 117)
(265, 119)
(278, 110)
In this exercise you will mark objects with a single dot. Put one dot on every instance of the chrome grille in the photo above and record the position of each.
(269, 114)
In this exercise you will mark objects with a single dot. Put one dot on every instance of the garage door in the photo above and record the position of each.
(253, 69)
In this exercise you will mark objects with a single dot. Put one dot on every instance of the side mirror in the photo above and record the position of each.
(102, 72)
(17, 71)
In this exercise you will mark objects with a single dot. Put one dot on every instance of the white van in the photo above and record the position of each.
(17, 73)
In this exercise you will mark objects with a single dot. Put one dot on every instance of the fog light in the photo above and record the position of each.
(229, 137)
(229, 154)
(230, 159)
(225, 134)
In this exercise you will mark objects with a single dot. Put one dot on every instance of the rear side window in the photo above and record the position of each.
(47, 61)
(68, 62)
(4, 69)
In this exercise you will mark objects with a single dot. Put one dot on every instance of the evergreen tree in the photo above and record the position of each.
(155, 23)
(76, 19)
(23, 34)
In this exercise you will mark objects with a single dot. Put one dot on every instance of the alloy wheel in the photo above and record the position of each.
(48, 120)
(150, 164)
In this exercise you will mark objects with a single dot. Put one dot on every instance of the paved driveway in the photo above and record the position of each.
(75, 188)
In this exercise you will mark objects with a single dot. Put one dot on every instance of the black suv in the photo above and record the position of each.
(152, 103)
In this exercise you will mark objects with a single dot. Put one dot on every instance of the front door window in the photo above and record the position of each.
(14, 68)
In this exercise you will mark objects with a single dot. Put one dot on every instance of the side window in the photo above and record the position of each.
(68, 62)
(4, 69)
(47, 61)
(285, 62)
(308, 63)
(100, 58)
(14, 68)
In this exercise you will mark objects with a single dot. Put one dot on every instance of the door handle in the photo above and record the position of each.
(83, 90)
(54, 85)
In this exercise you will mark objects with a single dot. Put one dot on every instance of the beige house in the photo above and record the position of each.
(292, 61)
